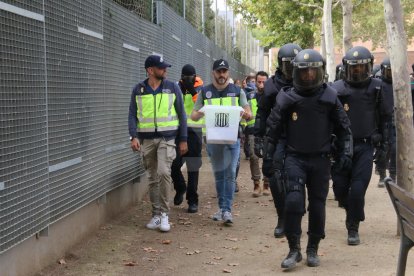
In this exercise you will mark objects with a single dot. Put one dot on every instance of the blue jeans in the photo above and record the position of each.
(224, 162)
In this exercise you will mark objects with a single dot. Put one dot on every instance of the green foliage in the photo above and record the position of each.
(236, 53)
(369, 22)
(281, 21)
(276, 22)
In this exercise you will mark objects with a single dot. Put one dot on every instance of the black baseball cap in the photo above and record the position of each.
(220, 64)
(188, 70)
(156, 61)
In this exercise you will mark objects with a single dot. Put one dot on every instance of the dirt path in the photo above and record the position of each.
(196, 245)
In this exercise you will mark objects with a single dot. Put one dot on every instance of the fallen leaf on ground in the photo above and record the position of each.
(232, 239)
(62, 261)
(166, 241)
(233, 264)
(130, 263)
(217, 258)
(106, 227)
(225, 270)
(189, 253)
(211, 263)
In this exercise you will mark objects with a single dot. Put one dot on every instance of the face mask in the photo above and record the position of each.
(252, 85)
(188, 81)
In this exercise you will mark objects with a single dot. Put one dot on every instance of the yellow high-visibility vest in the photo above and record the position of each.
(189, 106)
(156, 112)
(253, 107)
(226, 101)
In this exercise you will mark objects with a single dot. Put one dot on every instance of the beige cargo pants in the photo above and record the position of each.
(158, 155)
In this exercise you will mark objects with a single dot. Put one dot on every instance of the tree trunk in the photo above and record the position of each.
(323, 45)
(397, 44)
(329, 40)
(347, 25)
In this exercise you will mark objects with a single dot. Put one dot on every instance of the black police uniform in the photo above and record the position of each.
(274, 158)
(308, 119)
(364, 104)
(390, 161)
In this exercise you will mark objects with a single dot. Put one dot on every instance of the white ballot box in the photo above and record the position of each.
(222, 123)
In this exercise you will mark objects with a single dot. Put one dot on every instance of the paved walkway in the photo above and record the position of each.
(196, 245)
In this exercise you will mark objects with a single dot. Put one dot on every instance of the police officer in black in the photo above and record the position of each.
(309, 113)
(273, 157)
(390, 161)
(363, 101)
(339, 72)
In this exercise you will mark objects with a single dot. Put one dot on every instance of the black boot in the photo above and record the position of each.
(312, 251)
(280, 228)
(353, 236)
(179, 197)
(382, 176)
(294, 255)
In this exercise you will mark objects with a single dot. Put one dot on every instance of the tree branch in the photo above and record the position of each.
(307, 5)
(336, 4)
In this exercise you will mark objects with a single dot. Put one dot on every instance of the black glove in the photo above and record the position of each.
(376, 139)
(268, 168)
(280, 154)
(258, 147)
(269, 148)
(380, 155)
(343, 163)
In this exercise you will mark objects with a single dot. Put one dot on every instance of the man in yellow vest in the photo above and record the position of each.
(253, 97)
(190, 85)
(156, 116)
(223, 157)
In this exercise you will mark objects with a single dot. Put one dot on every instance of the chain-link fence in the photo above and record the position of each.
(67, 69)
(215, 20)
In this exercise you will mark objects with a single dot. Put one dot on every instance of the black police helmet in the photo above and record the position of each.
(386, 73)
(284, 58)
(308, 71)
(358, 62)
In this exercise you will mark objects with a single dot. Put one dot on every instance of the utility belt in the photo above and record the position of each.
(362, 140)
(310, 155)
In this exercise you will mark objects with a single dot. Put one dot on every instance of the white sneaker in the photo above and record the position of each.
(154, 223)
(227, 217)
(165, 225)
(218, 215)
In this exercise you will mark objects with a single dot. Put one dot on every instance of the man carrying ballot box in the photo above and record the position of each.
(223, 157)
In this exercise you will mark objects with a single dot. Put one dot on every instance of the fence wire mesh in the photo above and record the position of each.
(67, 69)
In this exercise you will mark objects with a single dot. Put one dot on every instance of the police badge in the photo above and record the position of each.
(346, 107)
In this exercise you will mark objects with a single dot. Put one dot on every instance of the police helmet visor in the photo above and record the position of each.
(287, 67)
(358, 71)
(308, 75)
(386, 73)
